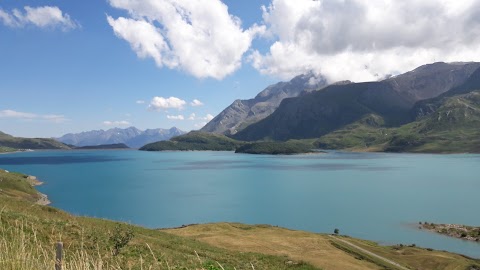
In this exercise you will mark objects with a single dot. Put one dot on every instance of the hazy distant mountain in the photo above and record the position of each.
(245, 112)
(29, 143)
(321, 112)
(131, 136)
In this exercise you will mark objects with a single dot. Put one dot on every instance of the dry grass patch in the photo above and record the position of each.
(295, 246)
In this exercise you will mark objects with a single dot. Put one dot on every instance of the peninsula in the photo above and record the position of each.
(463, 232)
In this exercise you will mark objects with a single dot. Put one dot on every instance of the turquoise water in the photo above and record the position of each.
(378, 197)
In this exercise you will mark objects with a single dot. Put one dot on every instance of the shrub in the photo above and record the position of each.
(120, 238)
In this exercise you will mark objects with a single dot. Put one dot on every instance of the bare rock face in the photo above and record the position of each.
(432, 80)
(243, 113)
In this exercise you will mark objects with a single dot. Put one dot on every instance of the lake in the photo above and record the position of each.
(379, 197)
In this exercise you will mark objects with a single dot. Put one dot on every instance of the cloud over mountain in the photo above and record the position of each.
(116, 123)
(366, 40)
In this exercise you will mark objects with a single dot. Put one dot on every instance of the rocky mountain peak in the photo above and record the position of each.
(242, 113)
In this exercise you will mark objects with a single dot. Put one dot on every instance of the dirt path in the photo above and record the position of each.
(370, 253)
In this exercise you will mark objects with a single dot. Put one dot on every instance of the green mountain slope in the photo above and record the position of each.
(195, 141)
(28, 143)
(104, 146)
(453, 127)
(367, 134)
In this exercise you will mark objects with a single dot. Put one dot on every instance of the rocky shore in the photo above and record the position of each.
(43, 200)
(463, 232)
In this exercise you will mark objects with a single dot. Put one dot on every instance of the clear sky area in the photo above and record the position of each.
(72, 66)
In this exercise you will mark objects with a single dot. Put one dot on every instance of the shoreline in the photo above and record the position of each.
(462, 232)
(43, 200)
(34, 182)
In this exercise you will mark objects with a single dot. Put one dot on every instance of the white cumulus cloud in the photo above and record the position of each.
(116, 123)
(32, 116)
(140, 101)
(200, 125)
(42, 17)
(175, 117)
(200, 37)
(366, 40)
(196, 103)
(209, 117)
(161, 103)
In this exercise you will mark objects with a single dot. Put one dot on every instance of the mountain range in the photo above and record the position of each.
(331, 108)
(132, 137)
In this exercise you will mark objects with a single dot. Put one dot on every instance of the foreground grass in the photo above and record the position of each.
(28, 233)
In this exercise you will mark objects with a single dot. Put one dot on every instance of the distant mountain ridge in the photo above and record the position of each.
(132, 136)
(242, 113)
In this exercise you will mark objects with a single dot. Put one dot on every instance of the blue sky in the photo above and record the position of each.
(89, 76)
(80, 71)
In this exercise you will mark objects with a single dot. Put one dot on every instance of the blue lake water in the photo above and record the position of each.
(379, 197)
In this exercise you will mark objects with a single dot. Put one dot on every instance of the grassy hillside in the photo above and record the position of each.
(453, 128)
(195, 141)
(28, 143)
(202, 141)
(367, 134)
(29, 232)
(17, 185)
(6, 149)
(104, 146)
